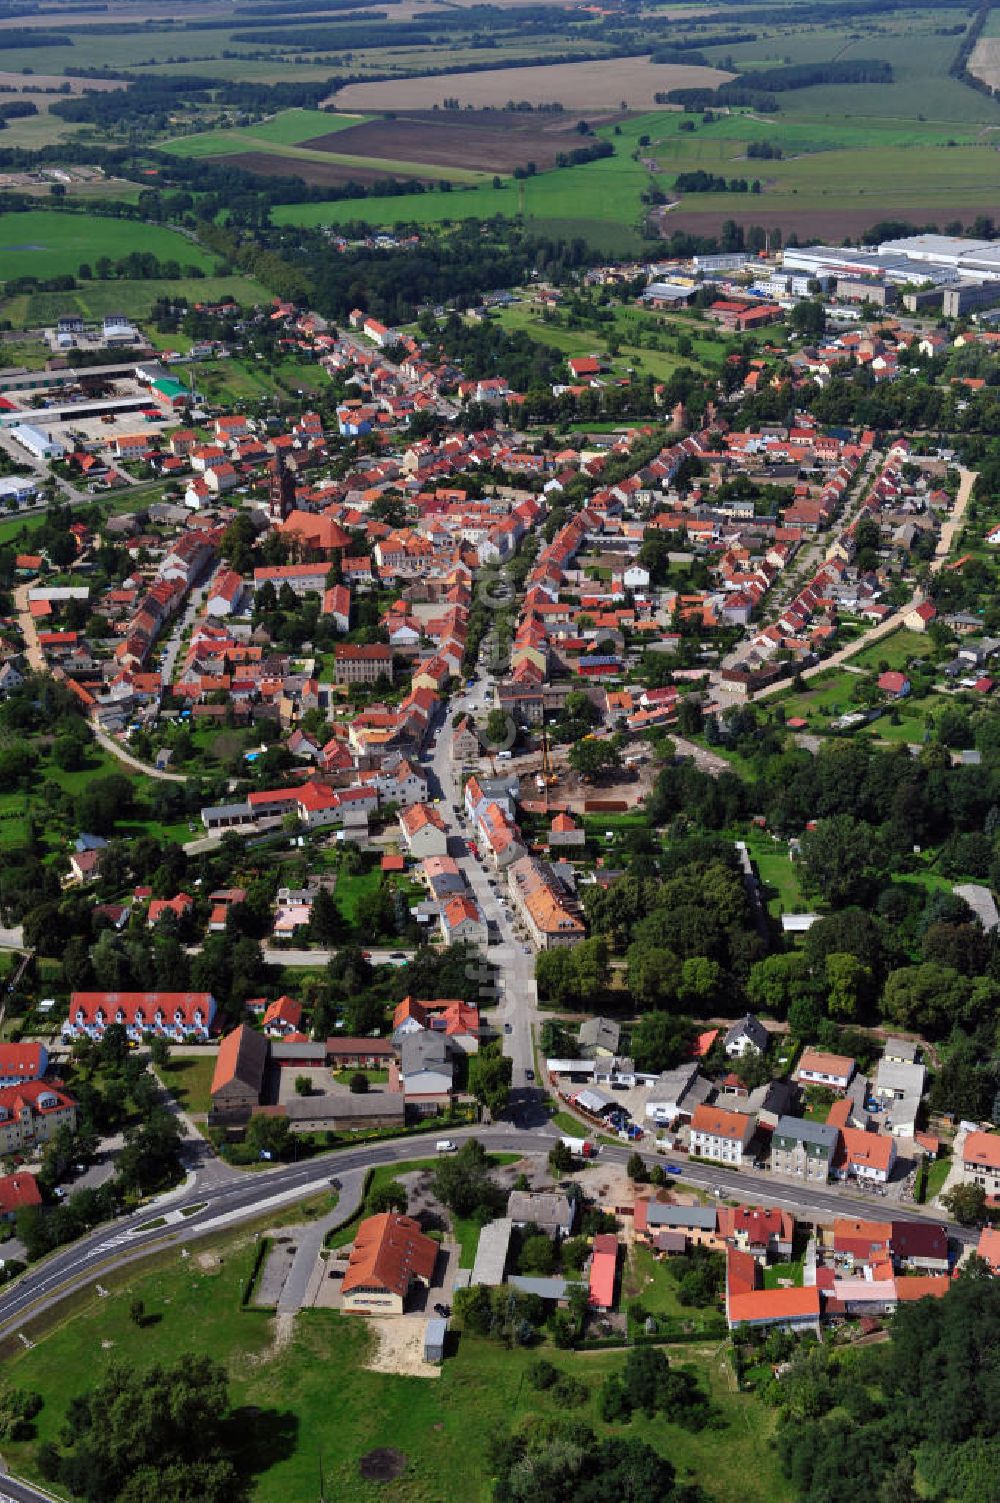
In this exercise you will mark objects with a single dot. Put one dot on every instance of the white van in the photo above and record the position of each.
(445, 1145)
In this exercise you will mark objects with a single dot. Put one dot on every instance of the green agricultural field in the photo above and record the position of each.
(134, 299)
(46, 243)
(330, 1404)
(289, 128)
(606, 192)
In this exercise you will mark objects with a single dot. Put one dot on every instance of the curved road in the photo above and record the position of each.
(182, 1217)
(204, 1208)
(115, 749)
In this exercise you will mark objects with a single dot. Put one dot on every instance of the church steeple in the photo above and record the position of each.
(281, 490)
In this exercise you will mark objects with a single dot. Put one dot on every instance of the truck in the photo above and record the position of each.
(445, 1145)
(581, 1148)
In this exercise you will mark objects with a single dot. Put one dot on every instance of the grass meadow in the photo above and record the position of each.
(313, 1400)
(46, 243)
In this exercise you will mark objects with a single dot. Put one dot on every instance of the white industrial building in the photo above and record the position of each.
(37, 442)
(17, 490)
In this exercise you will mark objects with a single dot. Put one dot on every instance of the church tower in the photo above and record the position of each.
(281, 491)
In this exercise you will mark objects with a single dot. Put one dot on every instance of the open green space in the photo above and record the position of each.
(288, 128)
(47, 243)
(661, 364)
(354, 890)
(135, 299)
(894, 651)
(783, 1275)
(188, 1078)
(776, 871)
(314, 1395)
(936, 1176)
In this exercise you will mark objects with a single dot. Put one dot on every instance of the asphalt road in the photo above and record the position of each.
(225, 1198)
(514, 958)
(15, 1491)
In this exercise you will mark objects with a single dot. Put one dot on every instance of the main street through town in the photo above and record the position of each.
(512, 957)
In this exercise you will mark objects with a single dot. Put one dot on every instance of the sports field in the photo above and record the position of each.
(46, 243)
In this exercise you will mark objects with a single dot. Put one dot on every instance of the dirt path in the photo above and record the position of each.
(29, 631)
(116, 749)
(953, 526)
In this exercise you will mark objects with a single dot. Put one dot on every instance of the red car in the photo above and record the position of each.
(473, 848)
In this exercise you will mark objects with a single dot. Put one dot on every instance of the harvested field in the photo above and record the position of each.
(491, 140)
(316, 174)
(827, 225)
(25, 83)
(985, 61)
(601, 85)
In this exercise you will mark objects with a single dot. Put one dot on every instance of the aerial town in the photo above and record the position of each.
(497, 868)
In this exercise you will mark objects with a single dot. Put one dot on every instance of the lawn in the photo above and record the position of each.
(341, 1236)
(776, 871)
(650, 1280)
(466, 1232)
(781, 1275)
(895, 650)
(826, 697)
(46, 243)
(314, 1399)
(188, 1078)
(936, 1176)
(354, 891)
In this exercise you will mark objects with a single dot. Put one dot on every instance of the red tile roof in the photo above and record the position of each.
(18, 1190)
(388, 1252)
(603, 1270)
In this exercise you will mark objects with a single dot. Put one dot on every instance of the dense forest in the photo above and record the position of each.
(913, 1420)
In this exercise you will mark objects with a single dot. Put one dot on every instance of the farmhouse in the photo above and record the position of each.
(238, 1081)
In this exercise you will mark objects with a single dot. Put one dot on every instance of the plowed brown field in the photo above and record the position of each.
(490, 140)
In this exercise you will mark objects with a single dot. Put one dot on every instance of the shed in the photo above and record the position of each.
(492, 1252)
(435, 1336)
